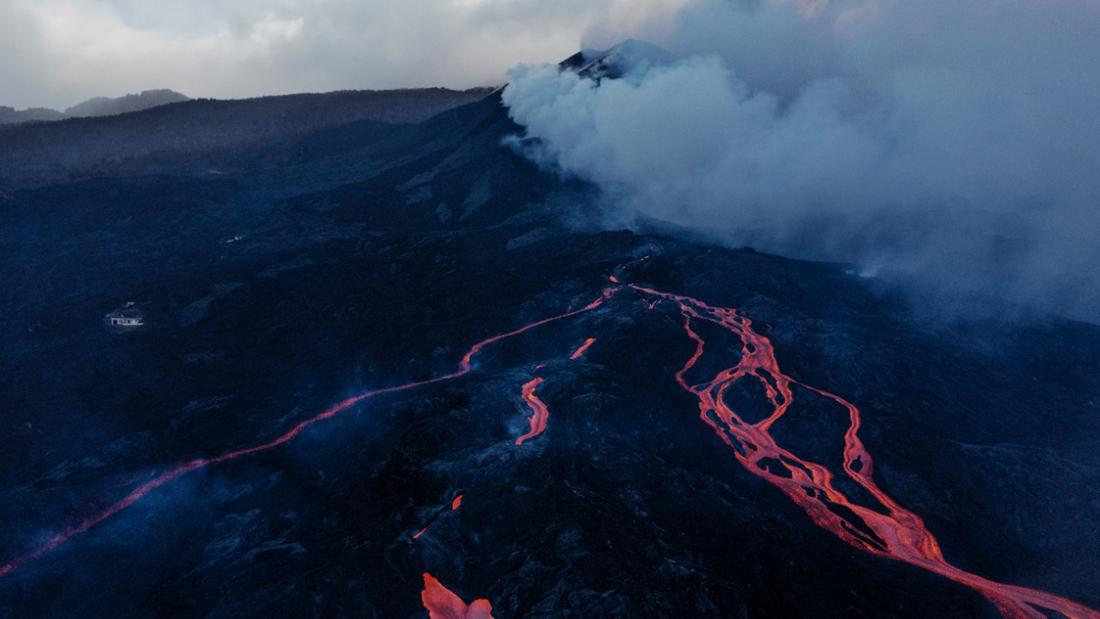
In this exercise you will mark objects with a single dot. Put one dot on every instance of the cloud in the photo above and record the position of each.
(58, 52)
(951, 142)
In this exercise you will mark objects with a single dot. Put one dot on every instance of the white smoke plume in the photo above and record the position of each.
(954, 142)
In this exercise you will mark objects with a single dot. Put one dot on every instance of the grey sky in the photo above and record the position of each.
(57, 52)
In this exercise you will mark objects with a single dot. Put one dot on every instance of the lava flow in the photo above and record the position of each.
(896, 534)
(891, 531)
(454, 505)
(442, 603)
(465, 366)
(539, 412)
(577, 354)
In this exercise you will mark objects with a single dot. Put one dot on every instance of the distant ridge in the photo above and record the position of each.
(98, 106)
(107, 106)
(10, 115)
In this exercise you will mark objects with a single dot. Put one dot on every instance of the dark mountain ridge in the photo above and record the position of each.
(10, 115)
(97, 106)
(178, 136)
(110, 106)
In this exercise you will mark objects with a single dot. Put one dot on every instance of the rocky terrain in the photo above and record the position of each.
(301, 427)
(204, 136)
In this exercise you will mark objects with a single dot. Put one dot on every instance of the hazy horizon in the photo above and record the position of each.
(119, 95)
(56, 53)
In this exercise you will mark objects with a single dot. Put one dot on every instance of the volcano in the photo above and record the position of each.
(389, 367)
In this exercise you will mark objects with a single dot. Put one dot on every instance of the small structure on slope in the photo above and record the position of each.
(125, 318)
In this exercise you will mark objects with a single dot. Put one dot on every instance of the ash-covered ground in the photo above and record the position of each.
(366, 255)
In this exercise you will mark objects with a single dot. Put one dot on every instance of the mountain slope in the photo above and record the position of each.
(349, 329)
(187, 137)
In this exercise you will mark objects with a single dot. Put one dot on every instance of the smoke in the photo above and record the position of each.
(954, 143)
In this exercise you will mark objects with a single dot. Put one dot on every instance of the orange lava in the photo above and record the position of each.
(891, 531)
(539, 412)
(442, 603)
(577, 354)
(897, 534)
(465, 366)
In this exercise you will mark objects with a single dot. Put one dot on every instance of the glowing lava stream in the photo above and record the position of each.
(897, 534)
(454, 505)
(539, 412)
(465, 366)
(577, 354)
(442, 603)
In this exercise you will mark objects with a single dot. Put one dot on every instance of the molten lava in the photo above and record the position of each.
(465, 366)
(442, 603)
(577, 354)
(889, 531)
(896, 534)
(539, 412)
(455, 503)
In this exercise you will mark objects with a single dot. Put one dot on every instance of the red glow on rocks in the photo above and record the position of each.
(577, 354)
(465, 366)
(898, 534)
(892, 531)
(135, 495)
(442, 603)
(539, 412)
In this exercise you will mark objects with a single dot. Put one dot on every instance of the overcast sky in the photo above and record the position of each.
(56, 53)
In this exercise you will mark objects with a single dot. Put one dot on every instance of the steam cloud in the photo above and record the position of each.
(951, 142)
